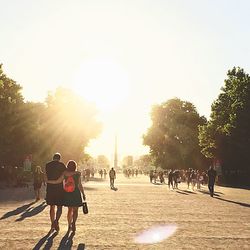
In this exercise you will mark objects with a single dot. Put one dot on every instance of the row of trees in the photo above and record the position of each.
(180, 138)
(63, 123)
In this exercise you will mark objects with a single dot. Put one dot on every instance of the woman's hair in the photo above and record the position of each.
(38, 169)
(71, 165)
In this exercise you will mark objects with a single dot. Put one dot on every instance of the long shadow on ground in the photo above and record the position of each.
(67, 241)
(49, 238)
(206, 192)
(32, 211)
(181, 192)
(17, 211)
(187, 191)
(157, 183)
(234, 202)
(81, 246)
(218, 192)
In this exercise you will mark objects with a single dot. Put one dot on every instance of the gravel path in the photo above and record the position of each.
(193, 220)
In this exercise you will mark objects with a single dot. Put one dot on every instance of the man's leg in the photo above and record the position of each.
(58, 215)
(36, 194)
(52, 215)
(210, 189)
(112, 182)
(172, 184)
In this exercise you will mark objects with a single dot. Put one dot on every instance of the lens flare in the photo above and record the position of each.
(155, 234)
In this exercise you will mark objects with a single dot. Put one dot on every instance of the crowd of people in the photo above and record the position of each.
(103, 173)
(130, 172)
(193, 177)
(14, 176)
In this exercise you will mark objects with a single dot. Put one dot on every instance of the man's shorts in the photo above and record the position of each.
(55, 194)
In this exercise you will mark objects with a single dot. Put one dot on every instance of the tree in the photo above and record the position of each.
(68, 124)
(102, 161)
(144, 163)
(173, 136)
(226, 135)
(11, 105)
(65, 123)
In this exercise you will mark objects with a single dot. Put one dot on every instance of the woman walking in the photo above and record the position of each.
(72, 192)
(38, 181)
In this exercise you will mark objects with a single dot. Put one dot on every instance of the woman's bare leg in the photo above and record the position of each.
(70, 216)
(75, 215)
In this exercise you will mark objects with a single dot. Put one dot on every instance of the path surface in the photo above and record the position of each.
(116, 217)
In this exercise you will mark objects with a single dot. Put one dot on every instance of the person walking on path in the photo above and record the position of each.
(151, 175)
(112, 177)
(72, 192)
(170, 179)
(211, 180)
(39, 179)
(54, 192)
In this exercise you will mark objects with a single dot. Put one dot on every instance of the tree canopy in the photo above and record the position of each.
(11, 131)
(173, 136)
(226, 135)
(63, 123)
(69, 123)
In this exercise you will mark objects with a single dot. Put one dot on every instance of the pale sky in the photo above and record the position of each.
(124, 56)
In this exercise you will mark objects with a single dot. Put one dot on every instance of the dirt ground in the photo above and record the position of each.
(116, 217)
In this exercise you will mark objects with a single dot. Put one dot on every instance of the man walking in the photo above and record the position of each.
(54, 192)
(170, 179)
(211, 180)
(112, 176)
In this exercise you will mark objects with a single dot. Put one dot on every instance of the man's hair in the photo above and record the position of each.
(57, 156)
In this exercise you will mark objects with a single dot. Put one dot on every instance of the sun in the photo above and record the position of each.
(103, 82)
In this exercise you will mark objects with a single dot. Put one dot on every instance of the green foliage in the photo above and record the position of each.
(173, 136)
(69, 123)
(227, 136)
(144, 163)
(11, 105)
(65, 124)
(102, 161)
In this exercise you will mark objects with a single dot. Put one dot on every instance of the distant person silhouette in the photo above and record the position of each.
(101, 173)
(151, 175)
(211, 180)
(112, 176)
(39, 179)
(170, 179)
(188, 176)
(105, 173)
(54, 192)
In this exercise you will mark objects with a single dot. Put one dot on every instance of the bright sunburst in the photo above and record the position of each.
(103, 82)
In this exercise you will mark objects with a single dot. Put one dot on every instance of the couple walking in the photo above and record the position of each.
(64, 188)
